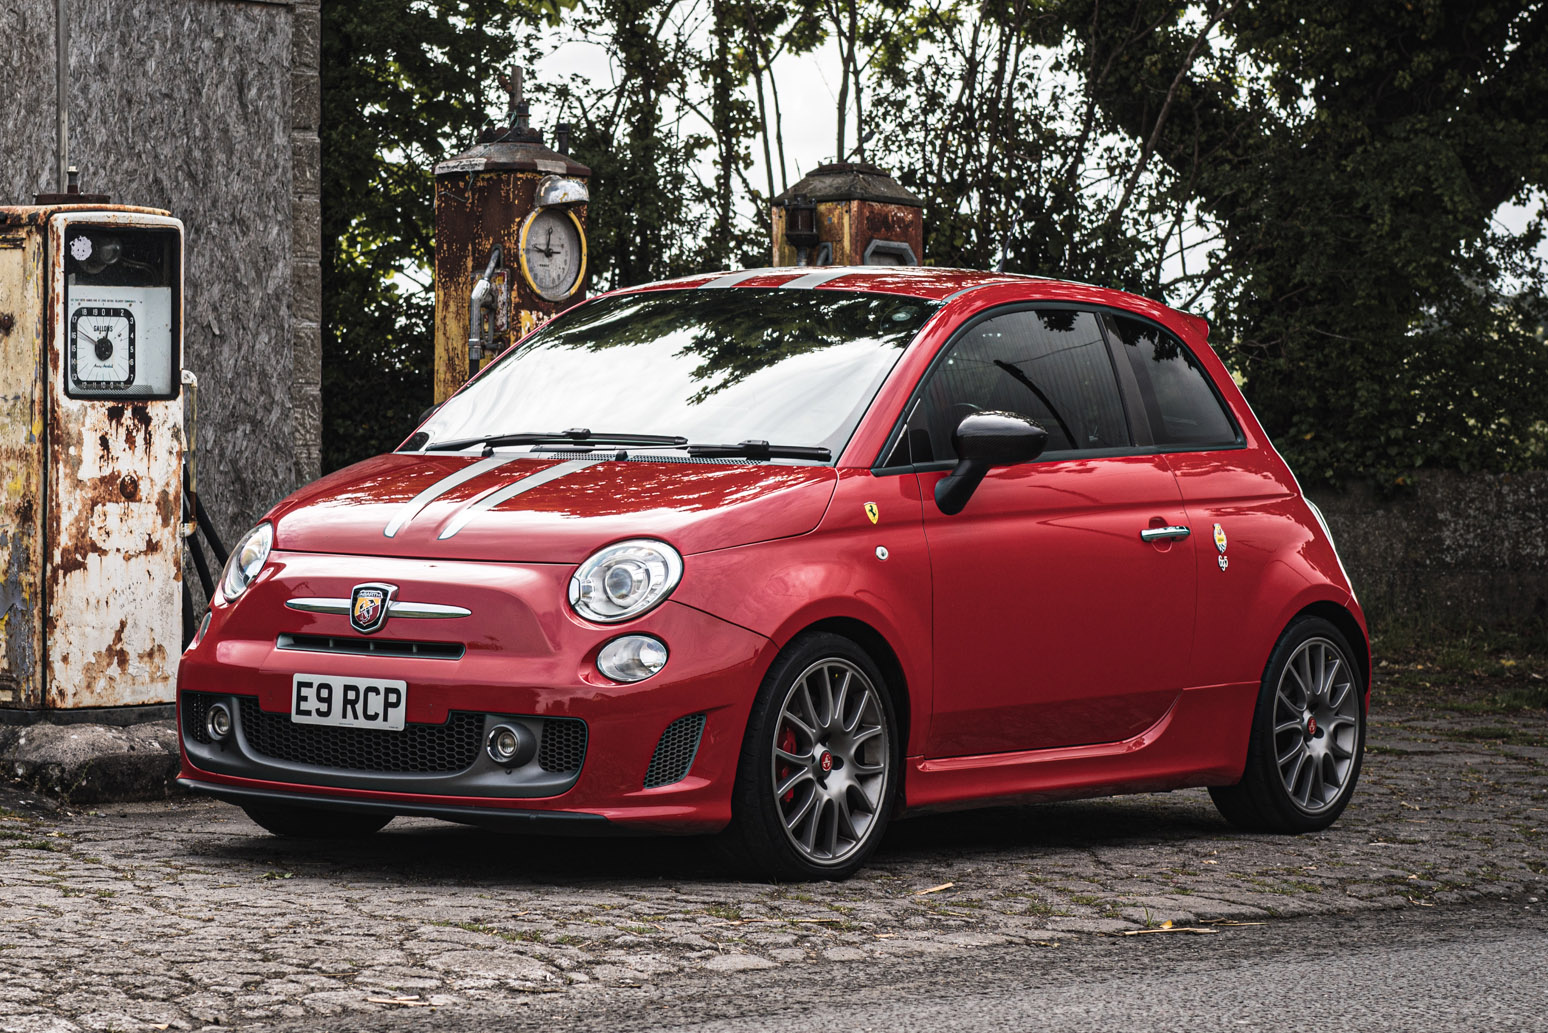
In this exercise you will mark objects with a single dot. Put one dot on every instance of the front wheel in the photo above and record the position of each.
(311, 823)
(1308, 735)
(819, 768)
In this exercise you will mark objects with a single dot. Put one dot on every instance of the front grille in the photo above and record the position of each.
(195, 707)
(420, 748)
(675, 752)
(371, 646)
(564, 744)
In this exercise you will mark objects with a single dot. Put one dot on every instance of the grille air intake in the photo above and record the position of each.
(564, 744)
(675, 752)
(370, 646)
(194, 708)
(419, 748)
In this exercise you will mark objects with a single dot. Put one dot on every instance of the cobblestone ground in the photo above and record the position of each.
(185, 915)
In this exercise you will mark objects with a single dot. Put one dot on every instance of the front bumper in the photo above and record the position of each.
(523, 658)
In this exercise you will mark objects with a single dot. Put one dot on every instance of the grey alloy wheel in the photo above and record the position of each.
(1316, 725)
(830, 761)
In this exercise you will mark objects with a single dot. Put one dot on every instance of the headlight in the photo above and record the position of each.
(624, 580)
(246, 561)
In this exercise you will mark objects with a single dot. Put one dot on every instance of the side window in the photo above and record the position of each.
(1051, 365)
(1184, 409)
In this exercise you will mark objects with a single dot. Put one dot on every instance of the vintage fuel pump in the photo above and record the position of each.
(510, 241)
(91, 454)
(847, 213)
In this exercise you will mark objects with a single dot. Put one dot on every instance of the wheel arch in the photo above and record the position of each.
(876, 646)
(1350, 628)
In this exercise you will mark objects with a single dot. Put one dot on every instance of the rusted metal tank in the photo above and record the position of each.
(91, 450)
(509, 192)
(862, 217)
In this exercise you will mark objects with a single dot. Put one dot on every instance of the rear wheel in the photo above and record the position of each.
(818, 774)
(1308, 735)
(310, 823)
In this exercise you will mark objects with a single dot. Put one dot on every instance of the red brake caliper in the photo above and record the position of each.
(787, 742)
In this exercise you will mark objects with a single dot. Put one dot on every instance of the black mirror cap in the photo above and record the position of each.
(998, 438)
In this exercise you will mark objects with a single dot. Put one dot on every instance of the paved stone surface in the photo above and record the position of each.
(186, 915)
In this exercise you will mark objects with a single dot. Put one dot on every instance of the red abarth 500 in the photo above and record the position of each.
(782, 554)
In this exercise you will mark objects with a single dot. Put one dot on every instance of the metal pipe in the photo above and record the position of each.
(62, 90)
(482, 298)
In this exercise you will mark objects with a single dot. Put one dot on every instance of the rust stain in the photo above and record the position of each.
(474, 211)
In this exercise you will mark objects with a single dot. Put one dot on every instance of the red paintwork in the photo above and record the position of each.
(1042, 649)
(696, 508)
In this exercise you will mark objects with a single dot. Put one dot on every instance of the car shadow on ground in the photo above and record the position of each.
(423, 851)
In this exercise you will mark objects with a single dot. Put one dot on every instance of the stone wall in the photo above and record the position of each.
(208, 108)
(1458, 550)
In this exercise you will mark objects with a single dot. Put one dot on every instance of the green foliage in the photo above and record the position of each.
(1354, 155)
(404, 84)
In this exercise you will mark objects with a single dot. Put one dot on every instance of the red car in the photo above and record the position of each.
(782, 554)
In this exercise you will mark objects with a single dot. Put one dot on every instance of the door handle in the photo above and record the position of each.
(1162, 534)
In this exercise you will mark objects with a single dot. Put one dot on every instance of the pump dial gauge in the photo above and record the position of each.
(102, 347)
(553, 253)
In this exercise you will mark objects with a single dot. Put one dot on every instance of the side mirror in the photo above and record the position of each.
(984, 440)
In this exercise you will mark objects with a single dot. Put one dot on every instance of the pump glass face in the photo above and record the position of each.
(121, 293)
(552, 253)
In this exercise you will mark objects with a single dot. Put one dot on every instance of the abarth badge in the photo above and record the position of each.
(368, 606)
(1220, 538)
(872, 512)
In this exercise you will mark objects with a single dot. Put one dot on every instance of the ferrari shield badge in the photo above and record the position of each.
(368, 606)
(872, 512)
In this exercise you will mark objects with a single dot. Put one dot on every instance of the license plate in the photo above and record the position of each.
(344, 702)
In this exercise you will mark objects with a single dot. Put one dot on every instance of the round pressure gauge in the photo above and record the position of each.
(102, 347)
(553, 252)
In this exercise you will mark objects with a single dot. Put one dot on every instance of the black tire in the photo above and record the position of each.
(1299, 777)
(312, 823)
(848, 792)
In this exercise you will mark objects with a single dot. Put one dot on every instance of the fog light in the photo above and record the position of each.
(510, 745)
(218, 722)
(632, 658)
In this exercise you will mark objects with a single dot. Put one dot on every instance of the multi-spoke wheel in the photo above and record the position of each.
(818, 774)
(1308, 735)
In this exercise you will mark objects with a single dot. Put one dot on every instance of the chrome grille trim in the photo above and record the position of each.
(397, 608)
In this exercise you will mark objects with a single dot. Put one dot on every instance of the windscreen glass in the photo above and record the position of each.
(790, 367)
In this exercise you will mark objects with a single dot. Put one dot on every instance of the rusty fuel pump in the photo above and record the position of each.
(91, 453)
(510, 241)
(847, 213)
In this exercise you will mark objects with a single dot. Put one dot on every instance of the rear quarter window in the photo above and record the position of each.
(1185, 411)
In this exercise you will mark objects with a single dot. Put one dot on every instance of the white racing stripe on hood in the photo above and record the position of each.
(411, 508)
(510, 491)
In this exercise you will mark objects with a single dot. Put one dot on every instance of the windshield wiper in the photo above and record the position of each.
(573, 436)
(759, 450)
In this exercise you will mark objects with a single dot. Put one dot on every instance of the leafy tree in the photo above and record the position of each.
(403, 85)
(1357, 155)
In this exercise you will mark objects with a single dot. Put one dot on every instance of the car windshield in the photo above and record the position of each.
(789, 367)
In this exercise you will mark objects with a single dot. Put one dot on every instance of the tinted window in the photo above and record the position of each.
(1184, 409)
(790, 367)
(1049, 364)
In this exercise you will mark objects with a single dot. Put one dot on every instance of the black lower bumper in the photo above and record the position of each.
(499, 819)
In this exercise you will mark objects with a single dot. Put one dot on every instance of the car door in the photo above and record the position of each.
(1055, 622)
(1241, 511)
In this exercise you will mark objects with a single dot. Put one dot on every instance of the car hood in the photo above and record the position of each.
(546, 509)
